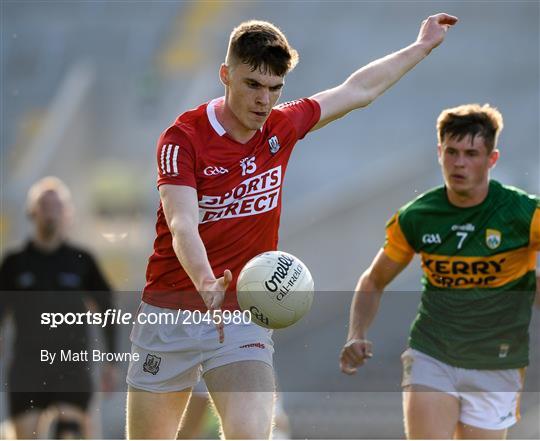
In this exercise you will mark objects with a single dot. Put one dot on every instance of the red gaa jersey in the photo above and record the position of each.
(239, 193)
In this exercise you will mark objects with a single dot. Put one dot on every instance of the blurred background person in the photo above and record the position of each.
(48, 274)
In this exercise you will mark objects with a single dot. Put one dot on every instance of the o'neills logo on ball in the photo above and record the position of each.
(284, 264)
(258, 315)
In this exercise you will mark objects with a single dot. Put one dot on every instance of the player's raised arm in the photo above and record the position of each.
(181, 211)
(364, 307)
(367, 83)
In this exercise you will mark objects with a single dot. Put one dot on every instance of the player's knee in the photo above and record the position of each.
(256, 425)
(68, 429)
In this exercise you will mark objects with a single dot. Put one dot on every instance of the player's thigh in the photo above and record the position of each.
(429, 414)
(241, 376)
(243, 394)
(152, 415)
(466, 431)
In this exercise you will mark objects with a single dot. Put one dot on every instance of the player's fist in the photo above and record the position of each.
(354, 354)
(433, 30)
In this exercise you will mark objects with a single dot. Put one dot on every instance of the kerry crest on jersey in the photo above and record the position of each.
(493, 238)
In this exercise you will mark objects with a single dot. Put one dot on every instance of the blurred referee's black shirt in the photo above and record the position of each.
(33, 281)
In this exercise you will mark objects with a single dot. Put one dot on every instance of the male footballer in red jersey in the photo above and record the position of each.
(220, 172)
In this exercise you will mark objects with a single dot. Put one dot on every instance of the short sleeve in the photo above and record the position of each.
(534, 239)
(303, 114)
(175, 159)
(396, 245)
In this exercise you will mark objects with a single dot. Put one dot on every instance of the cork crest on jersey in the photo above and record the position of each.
(273, 143)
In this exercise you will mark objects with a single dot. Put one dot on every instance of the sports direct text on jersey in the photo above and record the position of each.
(255, 195)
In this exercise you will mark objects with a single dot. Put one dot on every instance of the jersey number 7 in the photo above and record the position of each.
(462, 235)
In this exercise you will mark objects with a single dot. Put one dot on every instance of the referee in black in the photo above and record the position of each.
(48, 274)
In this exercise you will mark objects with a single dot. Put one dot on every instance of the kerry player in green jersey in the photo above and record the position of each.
(478, 241)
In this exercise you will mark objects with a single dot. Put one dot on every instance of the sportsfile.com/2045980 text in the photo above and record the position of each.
(119, 317)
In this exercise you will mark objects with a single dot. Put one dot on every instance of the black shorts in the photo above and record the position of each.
(21, 402)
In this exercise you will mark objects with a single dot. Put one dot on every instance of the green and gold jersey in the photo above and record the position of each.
(478, 274)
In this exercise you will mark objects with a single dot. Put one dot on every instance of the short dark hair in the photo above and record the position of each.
(261, 45)
(471, 119)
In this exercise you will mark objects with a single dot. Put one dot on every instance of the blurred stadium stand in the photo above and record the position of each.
(88, 86)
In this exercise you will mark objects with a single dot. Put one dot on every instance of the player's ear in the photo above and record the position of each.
(224, 74)
(493, 158)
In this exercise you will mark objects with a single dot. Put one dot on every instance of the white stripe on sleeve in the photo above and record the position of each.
(169, 158)
(175, 157)
(163, 158)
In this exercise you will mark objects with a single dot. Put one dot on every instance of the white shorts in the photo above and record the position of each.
(173, 357)
(489, 399)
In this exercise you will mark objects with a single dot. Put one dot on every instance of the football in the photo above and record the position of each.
(277, 288)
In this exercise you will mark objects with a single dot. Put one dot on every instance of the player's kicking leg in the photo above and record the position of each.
(153, 415)
(160, 381)
(243, 394)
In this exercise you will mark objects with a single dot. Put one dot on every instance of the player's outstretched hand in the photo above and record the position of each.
(354, 354)
(213, 296)
(433, 30)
